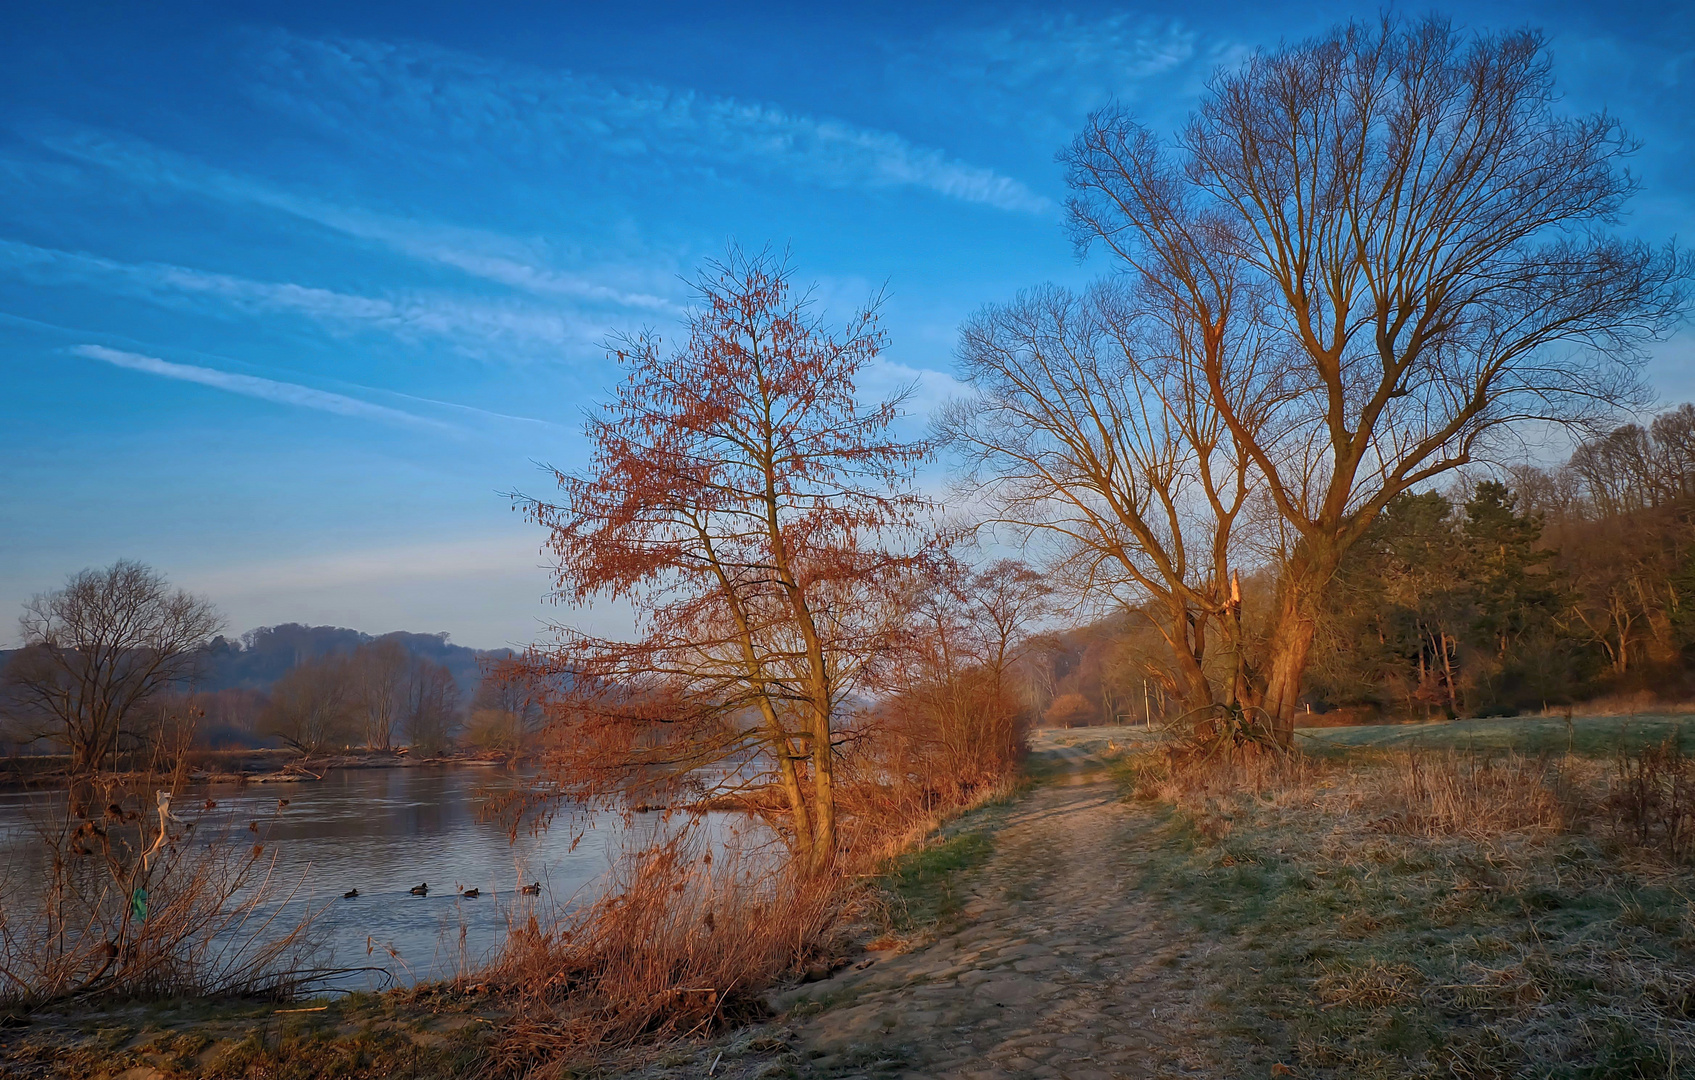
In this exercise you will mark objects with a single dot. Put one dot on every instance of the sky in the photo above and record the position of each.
(292, 294)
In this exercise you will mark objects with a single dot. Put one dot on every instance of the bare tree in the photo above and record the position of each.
(1429, 235)
(314, 706)
(951, 718)
(379, 672)
(754, 513)
(1092, 423)
(432, 706)
(506, 708)
(99, 650)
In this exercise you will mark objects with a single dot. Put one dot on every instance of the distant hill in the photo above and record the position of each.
(258, 658)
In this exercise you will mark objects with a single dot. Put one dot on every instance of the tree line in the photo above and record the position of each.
(113, 664)
(1541, 588)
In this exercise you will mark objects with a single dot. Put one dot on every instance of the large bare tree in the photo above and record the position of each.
(100, 649)
(1431, 234)
(1092, 424)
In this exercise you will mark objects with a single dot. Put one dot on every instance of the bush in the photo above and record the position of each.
(679, 943)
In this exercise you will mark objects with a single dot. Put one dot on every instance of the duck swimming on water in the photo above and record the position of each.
(530, 890)
(350, 894)
(470, 894)
(421, 890)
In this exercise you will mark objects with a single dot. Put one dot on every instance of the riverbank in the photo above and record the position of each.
(1382, 913)
(434, 1029)
(446, 1029)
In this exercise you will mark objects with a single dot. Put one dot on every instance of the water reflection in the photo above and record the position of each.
(382, 832)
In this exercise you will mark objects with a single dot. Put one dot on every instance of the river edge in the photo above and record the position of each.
(261, 766)
(443, 1028)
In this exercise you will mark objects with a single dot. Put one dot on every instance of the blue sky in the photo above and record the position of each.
(290, 292)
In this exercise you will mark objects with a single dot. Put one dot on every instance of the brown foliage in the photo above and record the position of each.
(953, 722)
(1070, 710)
(1653, 799)
(760, 521)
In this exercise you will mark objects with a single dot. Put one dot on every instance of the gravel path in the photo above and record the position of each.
(1060, 968)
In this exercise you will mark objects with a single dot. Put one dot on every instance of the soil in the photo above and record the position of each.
(1058, 965)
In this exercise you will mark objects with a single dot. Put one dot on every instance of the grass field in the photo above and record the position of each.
(1400, 906)
(1591, 736)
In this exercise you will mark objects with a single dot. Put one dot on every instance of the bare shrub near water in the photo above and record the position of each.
(682, 941)
(138, 901)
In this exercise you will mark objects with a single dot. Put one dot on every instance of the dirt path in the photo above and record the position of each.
(1060, 968)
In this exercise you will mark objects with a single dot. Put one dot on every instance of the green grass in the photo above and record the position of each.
(922, 886)
(1343, 951)
(1594, 736)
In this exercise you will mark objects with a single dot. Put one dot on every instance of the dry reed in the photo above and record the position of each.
(681, 941)
(1447, 793)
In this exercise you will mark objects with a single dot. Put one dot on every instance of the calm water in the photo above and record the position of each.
(382, 831)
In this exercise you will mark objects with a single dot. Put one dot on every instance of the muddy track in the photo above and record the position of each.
(1060, 969)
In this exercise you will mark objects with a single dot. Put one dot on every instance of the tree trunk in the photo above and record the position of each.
(1186, 635)
(824, 793)
(1294, 623)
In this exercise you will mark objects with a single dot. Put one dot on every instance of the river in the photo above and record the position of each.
(382, 832)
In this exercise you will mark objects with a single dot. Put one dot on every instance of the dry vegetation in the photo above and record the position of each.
(143, 901)
(1438, 913)
(680, 944)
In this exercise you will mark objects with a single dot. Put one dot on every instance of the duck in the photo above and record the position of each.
(350, 894)
(470, 894)
(530, 890)
(421, 890)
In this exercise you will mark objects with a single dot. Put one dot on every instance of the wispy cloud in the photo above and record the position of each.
(409, 95)
(1043, 73)
(482, 328)
(927, 389)
(481, 253)
(283, 393)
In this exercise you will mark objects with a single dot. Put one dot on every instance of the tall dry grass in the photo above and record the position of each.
(1636, 703)
(1449, 793)
(682, 940)
(1644, 798)
(687, 936)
